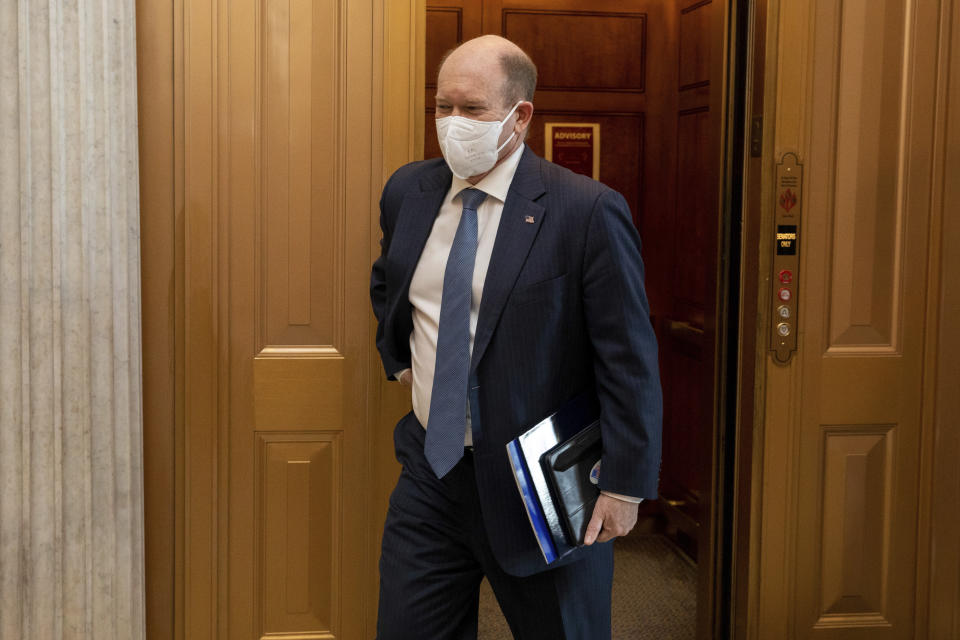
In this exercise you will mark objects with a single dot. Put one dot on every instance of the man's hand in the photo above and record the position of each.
(611, 518)
(406, 377)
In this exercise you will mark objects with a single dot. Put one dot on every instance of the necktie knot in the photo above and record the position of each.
(472, 198)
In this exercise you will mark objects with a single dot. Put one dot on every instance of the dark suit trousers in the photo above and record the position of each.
(435, 554)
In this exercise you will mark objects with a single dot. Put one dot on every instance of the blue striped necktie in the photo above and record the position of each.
(447, 422)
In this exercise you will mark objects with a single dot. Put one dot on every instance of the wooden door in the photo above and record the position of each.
(853, 430)
(687, 321)
(649, 72)
(266, 130)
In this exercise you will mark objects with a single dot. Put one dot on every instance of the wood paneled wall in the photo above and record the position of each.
(686, 321)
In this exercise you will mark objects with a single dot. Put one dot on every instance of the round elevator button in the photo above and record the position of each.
(783, 329)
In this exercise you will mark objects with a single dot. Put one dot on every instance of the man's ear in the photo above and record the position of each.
(524, 114)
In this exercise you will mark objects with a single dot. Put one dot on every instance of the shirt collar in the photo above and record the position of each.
(497, 182)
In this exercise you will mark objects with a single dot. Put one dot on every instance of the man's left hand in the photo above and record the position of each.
(611, 518)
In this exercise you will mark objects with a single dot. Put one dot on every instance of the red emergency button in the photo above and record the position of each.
(784, 294)
(786, 276)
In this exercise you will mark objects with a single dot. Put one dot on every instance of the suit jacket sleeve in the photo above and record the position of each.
(625, 350)
(379, 295)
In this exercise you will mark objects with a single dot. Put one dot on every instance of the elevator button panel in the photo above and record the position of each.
(785, 278)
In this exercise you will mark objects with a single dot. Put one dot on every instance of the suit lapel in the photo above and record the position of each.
(413, 225)
(519, 224)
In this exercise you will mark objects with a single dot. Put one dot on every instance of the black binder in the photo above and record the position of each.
(572, 472)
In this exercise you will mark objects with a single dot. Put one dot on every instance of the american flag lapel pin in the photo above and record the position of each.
(528, 219)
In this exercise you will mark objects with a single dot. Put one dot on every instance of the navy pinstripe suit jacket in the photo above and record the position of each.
(563, 310)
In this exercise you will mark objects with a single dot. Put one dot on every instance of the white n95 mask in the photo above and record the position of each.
(470, 146)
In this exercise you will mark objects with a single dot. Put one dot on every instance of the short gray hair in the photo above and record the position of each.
(521, 77)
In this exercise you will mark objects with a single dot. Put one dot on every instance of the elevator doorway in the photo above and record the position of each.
(648, 76)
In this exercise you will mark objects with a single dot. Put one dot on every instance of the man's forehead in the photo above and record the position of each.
(465, 94)
(466, 87)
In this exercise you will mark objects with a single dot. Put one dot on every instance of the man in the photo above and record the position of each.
(506, 286)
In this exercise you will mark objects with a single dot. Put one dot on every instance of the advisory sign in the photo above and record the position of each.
(574, 145)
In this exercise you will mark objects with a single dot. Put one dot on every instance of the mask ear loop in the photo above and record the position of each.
(507, 117)
(506, 142)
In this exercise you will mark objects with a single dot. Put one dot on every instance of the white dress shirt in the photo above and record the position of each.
(426, 287)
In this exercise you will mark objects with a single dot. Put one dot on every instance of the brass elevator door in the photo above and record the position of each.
(262, 163)
(848, 422)
(294, 228)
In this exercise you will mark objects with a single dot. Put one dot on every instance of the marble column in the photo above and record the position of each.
(71, 488)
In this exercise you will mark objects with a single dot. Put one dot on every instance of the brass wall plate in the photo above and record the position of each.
(784, 317)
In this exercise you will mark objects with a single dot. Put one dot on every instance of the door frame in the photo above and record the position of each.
(722, 602)
(723, 611)
(739, 57)
(743, 499)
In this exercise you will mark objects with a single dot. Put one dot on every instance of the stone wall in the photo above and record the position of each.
(71, 488)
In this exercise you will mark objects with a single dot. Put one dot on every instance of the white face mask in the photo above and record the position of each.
(470, 146)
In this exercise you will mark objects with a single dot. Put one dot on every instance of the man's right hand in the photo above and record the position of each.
(406, 377)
